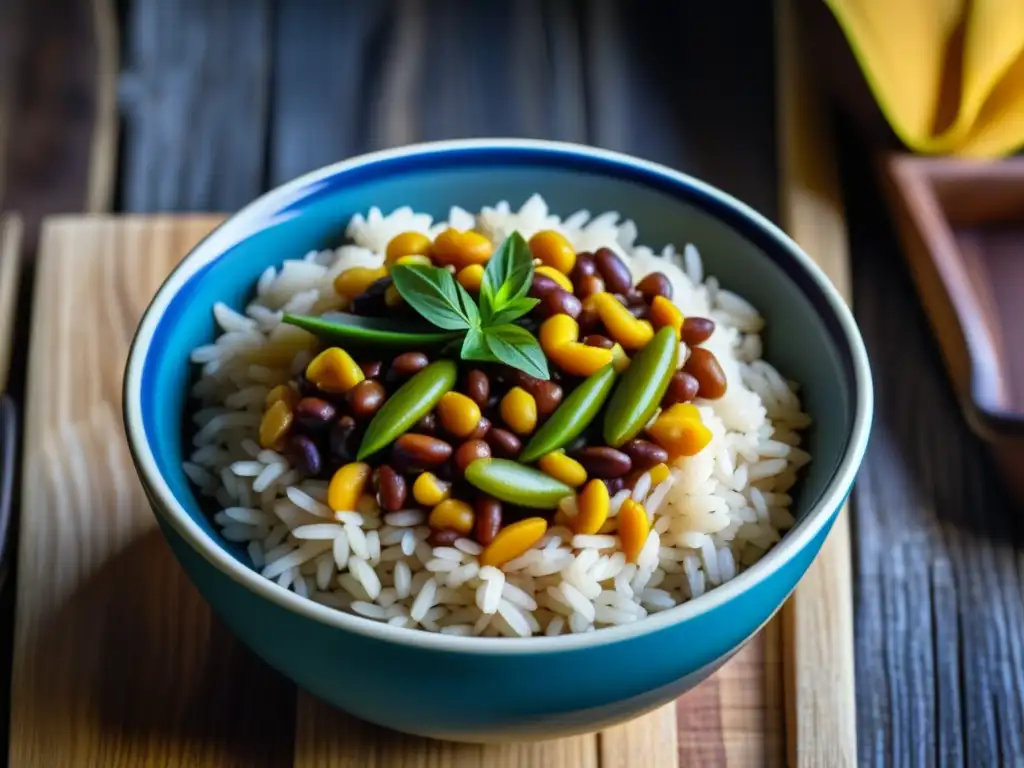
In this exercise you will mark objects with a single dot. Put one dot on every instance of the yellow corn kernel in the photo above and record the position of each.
(460, 249)
(553, 250)
(559, 277)
(630, 332)
(285, 392)
(611, 525)
(659, 474)
(519, 411)
(680, 431)
(392, 297)
(355, 280)
(430, 490)
(458, 414)
(563, 468)
(471, 277)
(407, 244)
(414, 260)
(276, 422)
(557, 331)
(347, 486)
(634, 528)
(664, 312)
(592, 504)
(334, 371)
(620, 360)
(452, 515)
(514, 540)
(578, 359)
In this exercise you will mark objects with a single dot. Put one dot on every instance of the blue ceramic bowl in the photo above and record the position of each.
(479, 689)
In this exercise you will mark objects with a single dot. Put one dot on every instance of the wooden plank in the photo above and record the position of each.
(735, 718)
(195, 93)
(117, 658)
(328, 738)
(10, 272)
(818, 619)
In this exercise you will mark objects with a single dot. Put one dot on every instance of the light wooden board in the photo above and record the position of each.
(818, 618)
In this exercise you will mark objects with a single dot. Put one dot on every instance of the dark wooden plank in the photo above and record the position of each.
(194, 94)
(940, 614)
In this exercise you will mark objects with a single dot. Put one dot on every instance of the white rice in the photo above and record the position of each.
(716, 514)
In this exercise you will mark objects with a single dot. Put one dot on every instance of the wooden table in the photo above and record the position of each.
(221, 99)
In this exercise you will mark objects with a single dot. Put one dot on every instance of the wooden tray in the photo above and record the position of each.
(962, 228)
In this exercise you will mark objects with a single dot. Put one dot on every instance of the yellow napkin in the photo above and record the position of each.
(947, 74)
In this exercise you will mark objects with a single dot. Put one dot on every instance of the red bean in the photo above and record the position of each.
(655, 284)
(597, 340)
(546, 394)
(344, 439)
(561, 302)
(682, 388)
(427, 424)
(415, 453)
(372, 369)
(488, 519)
(304, 455)
(478, 387)
(614, 272)
(705, 368)
(392, 489)
(644, 454)
(482, 428)
(470, 451)
(371, 301)
(504, 444)
(603, 461)
(585, 267)
(542, 286)
(589, 285)
(697, 330)
(365, 398)
(443, 538)
(405, 365)
(314, 413)
(590, 322)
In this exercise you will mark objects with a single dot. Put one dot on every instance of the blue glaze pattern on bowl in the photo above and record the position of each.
(440, 685)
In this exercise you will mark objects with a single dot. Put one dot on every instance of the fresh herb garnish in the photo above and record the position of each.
(490, 333)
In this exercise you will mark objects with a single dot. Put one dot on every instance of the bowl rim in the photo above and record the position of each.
(236, 227)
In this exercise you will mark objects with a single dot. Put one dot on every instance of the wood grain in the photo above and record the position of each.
(10, 273)
(117, 659)
(194, 94)
(818, 618)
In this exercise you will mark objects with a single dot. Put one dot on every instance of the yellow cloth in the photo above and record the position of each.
(947, 74)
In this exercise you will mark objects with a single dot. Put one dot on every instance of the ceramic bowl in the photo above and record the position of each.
(486, 689)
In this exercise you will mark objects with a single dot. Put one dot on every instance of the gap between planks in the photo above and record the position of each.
(818, 618)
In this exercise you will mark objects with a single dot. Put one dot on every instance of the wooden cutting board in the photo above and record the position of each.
(119, 661)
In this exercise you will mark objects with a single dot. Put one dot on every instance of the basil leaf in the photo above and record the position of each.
(474, 347)
(469, 310)
(513, 310)
(516, 346)
(431, 291)
(507, 277)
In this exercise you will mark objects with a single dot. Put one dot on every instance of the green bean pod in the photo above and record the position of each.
(641, 388)
(412, 401)
(515, 483)
(343, 329)
(572, 416)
